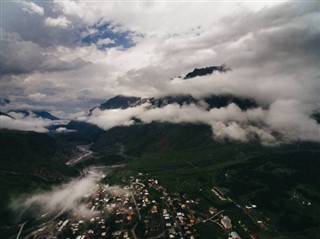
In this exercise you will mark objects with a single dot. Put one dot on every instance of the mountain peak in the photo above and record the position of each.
(4, 114)
(39, 113)
(118, 102)
(206, 71)
(4, 102)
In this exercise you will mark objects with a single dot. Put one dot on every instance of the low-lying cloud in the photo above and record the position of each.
(29, 121)
(63, 198)
(64, 130)
(66, 197)
(25, 123)
(282, 121)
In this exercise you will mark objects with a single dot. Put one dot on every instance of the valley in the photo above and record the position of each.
(159, 119)
(153, 185)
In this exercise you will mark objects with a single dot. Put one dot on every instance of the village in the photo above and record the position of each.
(141, 209)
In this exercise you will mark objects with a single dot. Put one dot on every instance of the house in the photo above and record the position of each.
(212, 210)
(235, 235)
(226, 222)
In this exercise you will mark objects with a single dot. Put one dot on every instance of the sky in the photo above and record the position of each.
(68, 56)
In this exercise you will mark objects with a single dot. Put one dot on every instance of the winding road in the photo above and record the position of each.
(85, 153)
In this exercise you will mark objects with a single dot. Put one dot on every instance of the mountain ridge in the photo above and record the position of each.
(39, 113)
(213, 101)
(206, 71)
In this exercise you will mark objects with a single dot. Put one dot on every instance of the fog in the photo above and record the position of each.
(65, 197)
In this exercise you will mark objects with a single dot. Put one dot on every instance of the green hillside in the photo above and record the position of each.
(83, 133)
(170, 145)
(33, 153)
(29, 161)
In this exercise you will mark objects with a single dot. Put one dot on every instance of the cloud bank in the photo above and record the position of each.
(25, 123)
(29, 121)
(90, 52)
(283, 122)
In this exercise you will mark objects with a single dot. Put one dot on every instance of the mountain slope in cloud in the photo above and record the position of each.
(38, 113)
(4, 102)
(283, 121)
(25, 120)
(7, 115)
(206, 71)
(120, 102)
(211, 101)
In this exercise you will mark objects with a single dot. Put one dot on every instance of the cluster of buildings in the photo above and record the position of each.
(220, 194)
(227, 224)
(163, 214)
(142, 209)
(106, 213)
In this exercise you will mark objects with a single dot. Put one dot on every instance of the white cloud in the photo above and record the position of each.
(157, 18)
(284, 118)
(146, 68)
(31, 7)
(28, 123)
(114, 117)
(232, 131)
(105, 41)
(66, 197)
(60, 21)
(64, 130)
(291, 118)
(272, 51)
(20, 56)
(37, 96)
(88, 31)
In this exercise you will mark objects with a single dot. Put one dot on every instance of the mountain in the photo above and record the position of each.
(4, 114)
(4, 102)
(184, 158)
(29, 162)
(39, 113)
(45, 115)
(33, 153)
(156, 137)
(206, 71)
(169, 147)
(119, 102)
(213, 101)
(81, 132)
(316, 116)
(218, 101)
(167, 100)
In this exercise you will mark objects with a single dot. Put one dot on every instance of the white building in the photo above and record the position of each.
(235, 235)
(226, 222)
